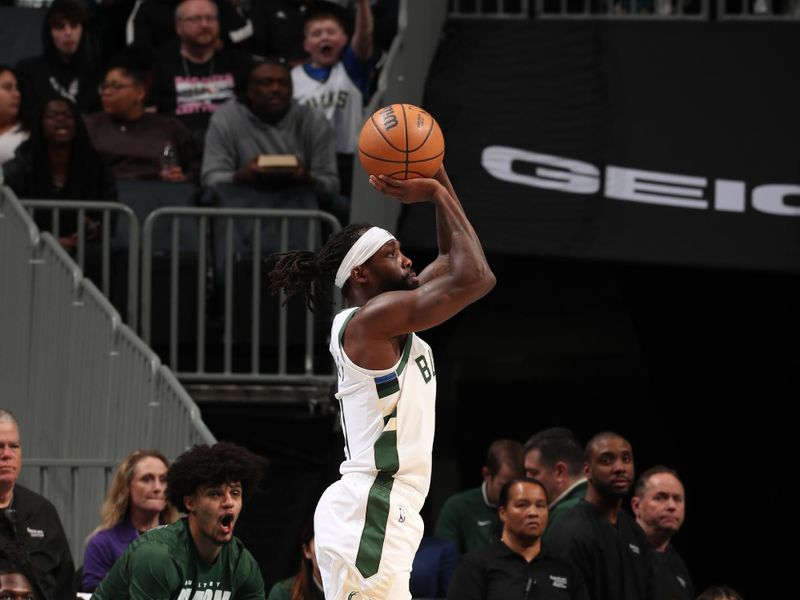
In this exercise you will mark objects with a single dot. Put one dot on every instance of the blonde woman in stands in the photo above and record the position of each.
(136, 502)
(12, 130)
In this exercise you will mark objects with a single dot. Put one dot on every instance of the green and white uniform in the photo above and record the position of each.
(163, 564)
(367, 525)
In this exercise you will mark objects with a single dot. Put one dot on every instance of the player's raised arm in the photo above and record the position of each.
(458, 277)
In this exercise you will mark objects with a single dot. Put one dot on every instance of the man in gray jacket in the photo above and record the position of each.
(265, 121)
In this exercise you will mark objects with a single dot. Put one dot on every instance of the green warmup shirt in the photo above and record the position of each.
(468, 520)
(163, 564)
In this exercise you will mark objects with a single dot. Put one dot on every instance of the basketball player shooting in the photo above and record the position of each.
(367, 524)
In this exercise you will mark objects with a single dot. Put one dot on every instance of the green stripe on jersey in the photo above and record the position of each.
(406, 354)
(370, 547)
(341, 331)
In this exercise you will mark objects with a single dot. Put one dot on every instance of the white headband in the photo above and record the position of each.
(368, 244)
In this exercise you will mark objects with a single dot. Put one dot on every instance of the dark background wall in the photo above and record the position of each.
(677, 328)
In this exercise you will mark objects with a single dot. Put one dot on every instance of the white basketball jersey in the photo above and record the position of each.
(388, 416)
(338, 97)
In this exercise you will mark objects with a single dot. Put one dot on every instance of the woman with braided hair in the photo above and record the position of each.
(367, 524)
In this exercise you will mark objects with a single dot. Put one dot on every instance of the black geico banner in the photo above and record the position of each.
(659, 142)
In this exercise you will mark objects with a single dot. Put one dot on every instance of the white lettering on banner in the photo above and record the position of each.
(635, 185)
(730, 195)
(652, 187)
(771, 199)
(573, 176)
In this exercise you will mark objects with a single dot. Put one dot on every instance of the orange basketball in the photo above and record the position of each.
(402, 141)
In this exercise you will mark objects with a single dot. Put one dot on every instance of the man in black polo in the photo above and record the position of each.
(659, 503)
(32, 521)
(516, 566)
(598, 536)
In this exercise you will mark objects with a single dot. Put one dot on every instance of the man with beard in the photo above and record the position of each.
(199, 554)
(367, 524)
(265, 120)
(597, 536)
(659, 503)
(193, 79)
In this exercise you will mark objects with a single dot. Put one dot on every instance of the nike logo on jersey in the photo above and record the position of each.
(483, 523)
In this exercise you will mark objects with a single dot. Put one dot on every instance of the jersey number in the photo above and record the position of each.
(427, 373)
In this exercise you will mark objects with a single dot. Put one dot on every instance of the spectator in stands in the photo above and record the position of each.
(34, 521)
(307, 583)
(190, 82)
(17, 577)
(265, 121)
(470, 518)
(597, 536)
(152, 24)
(132, 141)
(199, 554)
(336, 78)
(136, 502)
(12, 128)
(58, 162)
(517, 565)
(555, 458)
(718, 592)
(66, 68)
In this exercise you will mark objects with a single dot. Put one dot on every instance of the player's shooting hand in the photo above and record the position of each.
(408, 191)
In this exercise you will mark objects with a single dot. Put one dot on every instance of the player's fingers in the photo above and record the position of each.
(391, 181)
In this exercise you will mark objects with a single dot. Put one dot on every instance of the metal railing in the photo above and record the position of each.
(107, 231)
(758, 10)
(85, 390)
(240, 245)
(489, 9)
(672, 10)
(700, 10)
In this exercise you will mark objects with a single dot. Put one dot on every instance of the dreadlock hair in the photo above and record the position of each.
(297, 271)
(223, 462)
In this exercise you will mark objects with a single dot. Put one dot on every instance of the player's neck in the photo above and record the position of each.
(207, 549)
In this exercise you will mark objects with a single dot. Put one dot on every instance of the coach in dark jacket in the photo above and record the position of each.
(33, 520)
